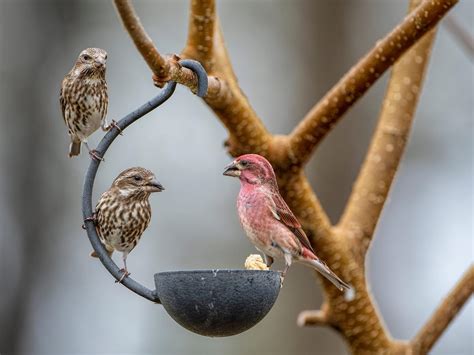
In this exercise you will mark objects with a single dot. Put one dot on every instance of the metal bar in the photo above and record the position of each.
(91, 173)
(199, 70)
(87, 210)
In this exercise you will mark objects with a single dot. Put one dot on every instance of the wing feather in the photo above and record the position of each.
(62, 101)
(282, 213)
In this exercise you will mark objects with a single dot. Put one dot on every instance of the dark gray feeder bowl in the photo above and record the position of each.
(218, 303)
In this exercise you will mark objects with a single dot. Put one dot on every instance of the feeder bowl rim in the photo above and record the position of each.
(214, 270)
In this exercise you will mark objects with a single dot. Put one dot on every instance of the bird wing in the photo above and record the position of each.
(63, 104)
(282, 213)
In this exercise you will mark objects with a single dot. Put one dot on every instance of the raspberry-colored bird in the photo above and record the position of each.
(83, 98)
(124, 212)
(268, 221)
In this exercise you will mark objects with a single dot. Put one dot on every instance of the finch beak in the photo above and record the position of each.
(100, 63)
(232, 170)
(155, 186)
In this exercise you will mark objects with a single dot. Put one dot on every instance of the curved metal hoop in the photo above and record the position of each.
(87, 210)
(198, 69)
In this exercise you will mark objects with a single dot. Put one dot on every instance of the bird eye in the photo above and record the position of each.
(106, 56)
(137, 178)
(86, 57)
(244, 163)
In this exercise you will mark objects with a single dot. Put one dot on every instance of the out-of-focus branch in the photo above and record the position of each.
(324, 115)
(247, 134)
(142, 41)
(388, 144)
(461, 35)
(312, 318)
(444, 314)
(202, 22)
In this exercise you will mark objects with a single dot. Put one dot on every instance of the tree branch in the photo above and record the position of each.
(142, 41)
(202, 23)
(388, 144)
(444, 314)
(324, 115)
(247, 134)
(224, 97)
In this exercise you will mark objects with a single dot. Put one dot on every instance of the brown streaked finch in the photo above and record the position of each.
(268, 221)
(83, 98)
(124, 212)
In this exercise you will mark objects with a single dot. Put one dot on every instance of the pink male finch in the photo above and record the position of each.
(268, 221)
(84, 99)
(124, 212)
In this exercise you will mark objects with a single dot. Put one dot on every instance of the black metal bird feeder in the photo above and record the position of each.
(213, 303)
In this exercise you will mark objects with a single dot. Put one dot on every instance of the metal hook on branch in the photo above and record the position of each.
(199, 70)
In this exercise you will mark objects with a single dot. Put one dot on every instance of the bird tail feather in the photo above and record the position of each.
(74, 148)
(322, 268)
(108, 248)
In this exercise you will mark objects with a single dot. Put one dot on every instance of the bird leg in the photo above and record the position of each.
(92, 218)
(288, 260)
(285, 270)
(124, 275)
(95, 156)
(268, 260)
(93, 153)
(113, 124)
(124, 269)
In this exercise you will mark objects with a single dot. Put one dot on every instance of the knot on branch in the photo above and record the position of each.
(163, 76)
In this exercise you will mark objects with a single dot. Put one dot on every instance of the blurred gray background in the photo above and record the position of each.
(56, 299)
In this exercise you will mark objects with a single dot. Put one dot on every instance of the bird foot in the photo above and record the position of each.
(124, 275)
(112, 125)
(92, 218)
(282, 278)
(94, 155)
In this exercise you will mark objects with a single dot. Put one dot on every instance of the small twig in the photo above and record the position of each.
(324, 115)
(372, 186)
(312, 318)
(444, 314)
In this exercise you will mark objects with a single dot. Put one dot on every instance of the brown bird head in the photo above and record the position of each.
(137, 182)
(91, 63)
(252, 169)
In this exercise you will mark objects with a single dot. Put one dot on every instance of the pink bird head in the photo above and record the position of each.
(252, 169)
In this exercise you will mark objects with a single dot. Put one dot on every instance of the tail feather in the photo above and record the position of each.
(74, 148)
(327, 273)
(107, 247)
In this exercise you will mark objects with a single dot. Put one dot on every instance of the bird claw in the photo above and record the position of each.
(92, 218)
(282, 278)
(124, 275)
(112, 125)
(95, 156)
